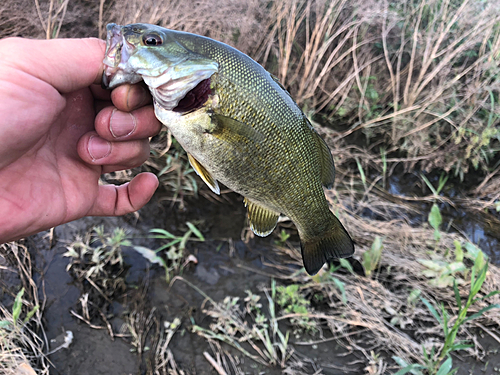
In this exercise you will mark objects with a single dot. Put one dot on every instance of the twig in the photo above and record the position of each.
(488, 332)
(86, 321)
(215, 365)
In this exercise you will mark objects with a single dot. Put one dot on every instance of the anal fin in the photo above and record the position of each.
(262, 220)
(204, 175)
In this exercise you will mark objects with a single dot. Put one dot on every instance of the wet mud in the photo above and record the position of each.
(227, 266)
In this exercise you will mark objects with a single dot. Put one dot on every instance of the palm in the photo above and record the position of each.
(48, 176)
(48, 127)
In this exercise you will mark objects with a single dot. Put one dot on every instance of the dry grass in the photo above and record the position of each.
(22, 343)
(379, 306)
(419, 79)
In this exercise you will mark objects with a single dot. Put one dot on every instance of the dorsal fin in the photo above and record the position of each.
(262, 221)
(204, 174)
(327, 165)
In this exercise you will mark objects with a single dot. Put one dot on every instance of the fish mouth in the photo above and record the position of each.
(181, 85)
(118, 52)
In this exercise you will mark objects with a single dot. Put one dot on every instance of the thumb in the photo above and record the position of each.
(120, 200)
(66, 64)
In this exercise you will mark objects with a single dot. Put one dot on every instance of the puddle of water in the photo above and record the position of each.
(482, 229)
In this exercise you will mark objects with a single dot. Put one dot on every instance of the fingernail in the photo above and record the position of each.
(98, 148)
(136, 96)
(121, 124)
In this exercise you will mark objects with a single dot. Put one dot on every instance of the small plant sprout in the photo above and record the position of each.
(441, 183)
(16, 313)
(174, 248)
(439, 362)
(444, 271)
(97, 253)
(283, 237)
(292, 302)
(435, 219)
(371, 258)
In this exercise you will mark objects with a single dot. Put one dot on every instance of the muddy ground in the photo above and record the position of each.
(227, 266)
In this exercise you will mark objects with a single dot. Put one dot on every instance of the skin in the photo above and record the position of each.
(59, 132)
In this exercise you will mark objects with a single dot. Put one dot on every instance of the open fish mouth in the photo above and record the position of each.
(178, 82)
(118, 52)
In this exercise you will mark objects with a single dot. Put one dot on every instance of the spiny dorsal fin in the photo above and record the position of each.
(336, 243)
(262, 220)
(204, 174)
(327, 166)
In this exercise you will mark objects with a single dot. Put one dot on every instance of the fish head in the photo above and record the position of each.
(154, 54)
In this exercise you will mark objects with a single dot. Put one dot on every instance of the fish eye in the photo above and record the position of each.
(152, 40)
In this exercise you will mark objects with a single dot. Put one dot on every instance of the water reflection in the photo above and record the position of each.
(482, 229)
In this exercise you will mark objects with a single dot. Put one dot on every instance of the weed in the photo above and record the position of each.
(247, 328)
(371, 258)
(19, 345)
(174, 248)
(98, 256)
(291, 301)
(439, 361)
(283, 237)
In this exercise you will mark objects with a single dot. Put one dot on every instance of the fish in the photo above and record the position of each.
(239, 126)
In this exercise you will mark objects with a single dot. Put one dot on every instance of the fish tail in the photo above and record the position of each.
(334, 243)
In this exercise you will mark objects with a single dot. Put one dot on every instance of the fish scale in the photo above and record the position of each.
(249, 134)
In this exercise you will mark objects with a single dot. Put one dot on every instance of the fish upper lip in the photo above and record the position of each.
(118, 51)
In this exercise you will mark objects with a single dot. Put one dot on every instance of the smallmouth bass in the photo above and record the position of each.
(239, 126)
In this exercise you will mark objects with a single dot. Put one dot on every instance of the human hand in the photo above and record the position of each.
(59, 131)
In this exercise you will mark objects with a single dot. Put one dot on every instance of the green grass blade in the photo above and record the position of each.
(429, 185)
(18, 304)
(445, 367)
(195, 230)
(457, 295)
(432, 310)
(491, 294)
(481, 312)
(162, 233)
(361, 172)
(460, 347)
(30, 314)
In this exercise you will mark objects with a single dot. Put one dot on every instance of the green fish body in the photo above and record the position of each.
(239, 126)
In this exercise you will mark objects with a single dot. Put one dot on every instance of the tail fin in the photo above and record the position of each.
(316, 251)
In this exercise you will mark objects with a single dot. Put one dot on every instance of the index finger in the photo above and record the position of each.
(66, 64)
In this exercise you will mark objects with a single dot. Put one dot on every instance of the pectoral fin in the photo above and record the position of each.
(204, 174)
(262, 220)
(231, 129)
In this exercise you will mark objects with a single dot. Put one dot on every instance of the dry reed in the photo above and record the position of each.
(22, 344)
